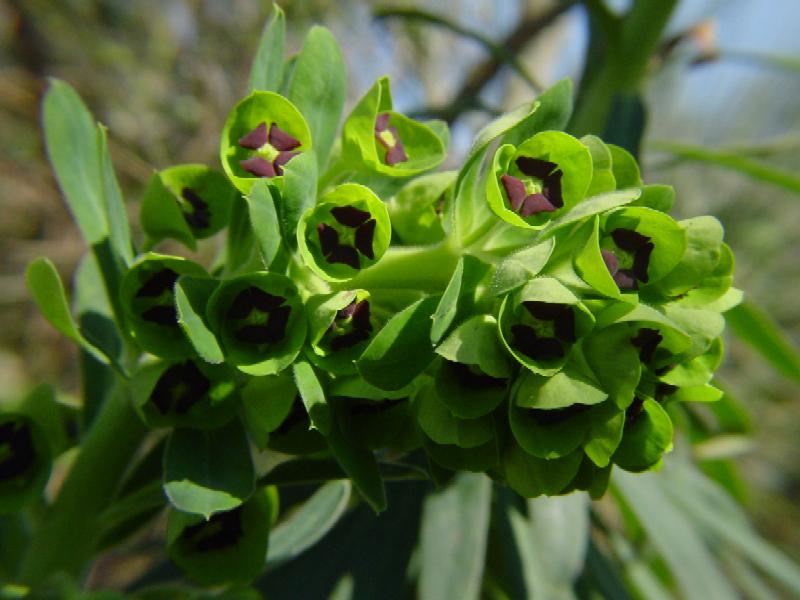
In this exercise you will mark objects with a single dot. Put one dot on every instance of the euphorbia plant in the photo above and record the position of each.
(536, 316)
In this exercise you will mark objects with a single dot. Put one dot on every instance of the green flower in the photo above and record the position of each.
(24, 461)
(340, 328)
(544, 176)
(540, 323)
(187, 203)
(261, 135)
(348, 230)
(260, 321)
(381, 140)
(148, 297)
(190, 393)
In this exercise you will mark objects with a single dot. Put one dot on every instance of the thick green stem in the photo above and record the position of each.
(420, 268)
(629, 47)
(66, 540)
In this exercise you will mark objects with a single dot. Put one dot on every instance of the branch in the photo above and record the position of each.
(504, 52)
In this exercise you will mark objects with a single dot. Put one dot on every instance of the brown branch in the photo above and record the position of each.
(467, 97)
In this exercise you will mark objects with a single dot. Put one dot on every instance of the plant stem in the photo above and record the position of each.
(420, 268)
(65, 541)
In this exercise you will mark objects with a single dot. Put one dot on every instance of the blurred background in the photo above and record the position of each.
(721, 110)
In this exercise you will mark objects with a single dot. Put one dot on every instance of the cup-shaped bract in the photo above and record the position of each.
(630, 249)
(25, 460)
(418, 210)
(473, 377)
(262, 134)
(148, 298)
(552, 417)
(348, 230)
(443, 427)
(260, 321)
(189, 393)
(540, 179)
(228, 547)
(380, 140)
(340, 327)
(531, 476)
(541, 322)
(646, 438)
(186, 203)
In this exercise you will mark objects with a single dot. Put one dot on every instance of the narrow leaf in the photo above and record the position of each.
(757, 329)
(308, 524)
(318, 87)
(191, 295)
(267, 70)
(313, 396)
(455, 526)
(264, 219)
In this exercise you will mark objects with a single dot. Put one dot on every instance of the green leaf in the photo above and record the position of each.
(624, 167)
(360, 465)
(240, 243)
(264, 219)
(313, 396)
(47, 290)
(475, 342)
(554, 107)
(267, 70)
(521, 266)
(468, 273)
(206, 472)
(552, 543)
(266, 402)
(718, 515)
(119, 230)
(402, 349)
(309, 523)
(299, 194)
(561, 390)
(602, 175)
(732, 160)
(452, 555)
(676, 539)
(191, 297)
(657, 197)
(71, 141)
(592, 269)
(590, 207)
(757, 329)
(318, 87)
(703, 252)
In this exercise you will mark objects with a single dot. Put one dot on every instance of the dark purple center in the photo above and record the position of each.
(283, 145)
(548, 200)
(395, 152)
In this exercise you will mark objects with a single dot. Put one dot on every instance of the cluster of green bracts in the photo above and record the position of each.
(536, 315)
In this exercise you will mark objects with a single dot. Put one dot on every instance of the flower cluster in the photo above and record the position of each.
(536, 315)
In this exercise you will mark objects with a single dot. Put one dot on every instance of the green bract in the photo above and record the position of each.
(190, 393)
(376, 138)
(348, 230)
(187, 203)
(24, 461)
(260, 320)
(264, 128)
(542, 178)
(148, 298)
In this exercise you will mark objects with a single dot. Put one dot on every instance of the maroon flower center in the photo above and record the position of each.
(543, 347)
(389, 138)
(635, 244)
(351, 325)
(273, 149)
(549, 199)
(336, 251)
